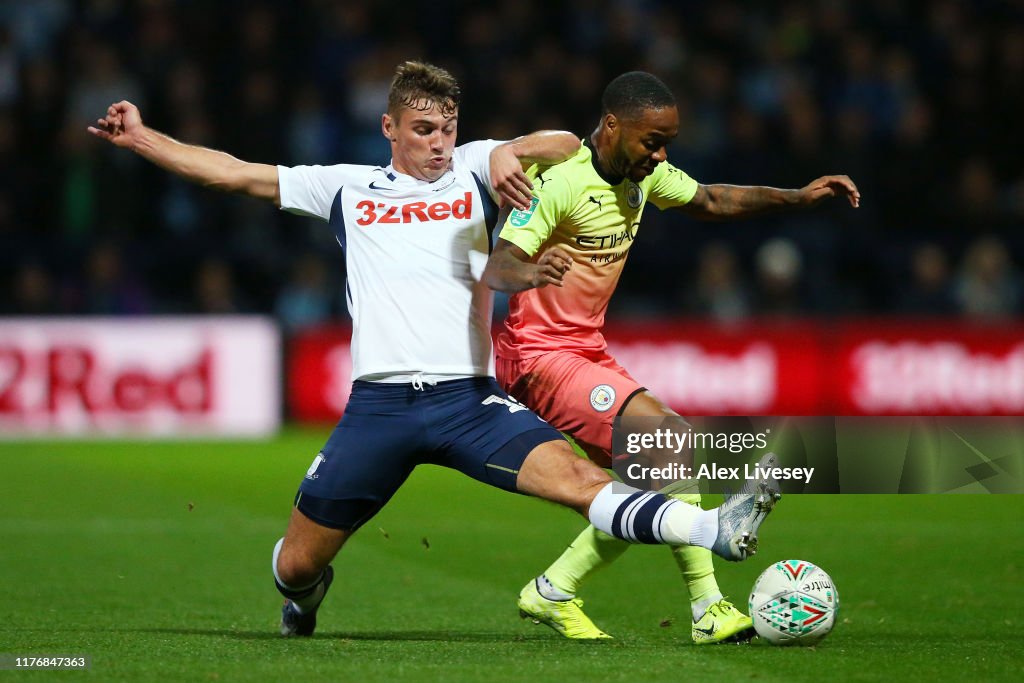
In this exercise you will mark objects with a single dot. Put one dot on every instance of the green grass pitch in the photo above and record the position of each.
(154, 559)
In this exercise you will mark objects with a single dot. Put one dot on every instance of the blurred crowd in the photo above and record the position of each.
(920, 102)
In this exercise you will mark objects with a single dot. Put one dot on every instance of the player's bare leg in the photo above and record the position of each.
(303, 572)
(553, 472)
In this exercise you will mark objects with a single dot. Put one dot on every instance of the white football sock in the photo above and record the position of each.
(645, 516)
(704, 529)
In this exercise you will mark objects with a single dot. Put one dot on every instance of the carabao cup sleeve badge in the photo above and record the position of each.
(519, 218)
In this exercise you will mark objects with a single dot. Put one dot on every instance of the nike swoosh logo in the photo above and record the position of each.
(375, 186)
(706, 631)
(445, 186)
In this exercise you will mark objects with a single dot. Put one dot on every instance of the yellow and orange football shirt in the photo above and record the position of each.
(576, 208)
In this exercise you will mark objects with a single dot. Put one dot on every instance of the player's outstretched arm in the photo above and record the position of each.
(510, 270)
(510, 160)
(724, 202)
(123, 127)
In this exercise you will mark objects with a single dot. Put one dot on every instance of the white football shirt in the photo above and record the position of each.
(414, 254)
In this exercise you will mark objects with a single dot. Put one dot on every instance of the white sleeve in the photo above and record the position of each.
(310, 190)
(476, 157)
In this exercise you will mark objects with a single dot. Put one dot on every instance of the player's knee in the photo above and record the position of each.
(295, 568)
(587, 479)
(579, 473)
(591, 476)
(553, 472)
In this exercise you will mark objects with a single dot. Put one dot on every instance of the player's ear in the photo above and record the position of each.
(387, 127)
(610, 122)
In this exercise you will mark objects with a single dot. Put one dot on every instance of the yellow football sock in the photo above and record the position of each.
(591, 550)
(695, 562)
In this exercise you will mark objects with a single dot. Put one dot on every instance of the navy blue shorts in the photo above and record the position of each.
(469, 425)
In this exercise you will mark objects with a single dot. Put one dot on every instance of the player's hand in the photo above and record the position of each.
(121, 126)
(508, 178)
(552, 266)
(829, 186)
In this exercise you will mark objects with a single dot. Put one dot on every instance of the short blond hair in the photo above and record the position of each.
(418, 85)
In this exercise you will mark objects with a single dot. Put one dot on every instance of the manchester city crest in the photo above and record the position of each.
(602, 397)
(634, 195)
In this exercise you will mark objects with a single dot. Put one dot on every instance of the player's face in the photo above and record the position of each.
(641, 141)
(422, 140)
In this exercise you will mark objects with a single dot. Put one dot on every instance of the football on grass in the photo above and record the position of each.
(793, 602)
